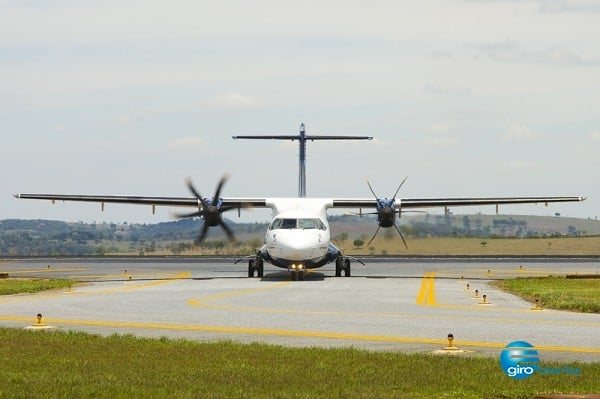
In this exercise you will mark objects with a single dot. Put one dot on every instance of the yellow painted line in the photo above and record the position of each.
(124, 275)
(45, 270)
(426, 295)
(290, 333)
(202, 301)
(130, 286)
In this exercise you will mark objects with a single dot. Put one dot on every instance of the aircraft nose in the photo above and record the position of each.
(299, 246)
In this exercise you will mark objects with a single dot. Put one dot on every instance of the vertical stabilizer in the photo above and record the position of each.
(302, 139)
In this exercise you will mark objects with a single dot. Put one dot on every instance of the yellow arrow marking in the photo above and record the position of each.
(426, 295)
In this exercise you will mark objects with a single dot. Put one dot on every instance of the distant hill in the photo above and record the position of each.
(47, 237)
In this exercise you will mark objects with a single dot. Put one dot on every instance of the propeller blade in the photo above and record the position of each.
(219, 187)
(191, 187)
(401, 235)
(399, 187)
(187, 215)
(227, 231)
(202, 234)
(371, 188)
(374, 235)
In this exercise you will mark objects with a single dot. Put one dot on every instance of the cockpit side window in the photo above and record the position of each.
(281, 223)
(311, 224)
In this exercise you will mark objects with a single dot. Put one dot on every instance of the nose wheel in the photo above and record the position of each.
(297, 275)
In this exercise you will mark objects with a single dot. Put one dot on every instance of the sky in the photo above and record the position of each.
(466, 98)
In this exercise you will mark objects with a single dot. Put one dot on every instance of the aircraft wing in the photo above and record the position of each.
(151, 201)
(409, 203)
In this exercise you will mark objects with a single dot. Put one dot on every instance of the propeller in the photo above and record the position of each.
(210, 210)
(386, 212)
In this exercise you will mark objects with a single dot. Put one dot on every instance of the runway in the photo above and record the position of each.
(409, 305)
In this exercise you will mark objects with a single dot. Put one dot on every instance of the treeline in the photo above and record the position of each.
(53, 238)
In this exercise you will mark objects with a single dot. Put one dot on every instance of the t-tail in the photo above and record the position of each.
(302, 139)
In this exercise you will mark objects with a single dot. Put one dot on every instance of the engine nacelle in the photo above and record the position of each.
(386, 212)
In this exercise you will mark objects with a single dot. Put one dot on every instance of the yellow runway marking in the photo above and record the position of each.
(44, 270)
(130, 286)
(427, 293)
(291, 333)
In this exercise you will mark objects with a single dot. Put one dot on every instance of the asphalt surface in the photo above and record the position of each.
(404, 305)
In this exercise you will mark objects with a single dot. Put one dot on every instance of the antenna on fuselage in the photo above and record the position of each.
(302, 139)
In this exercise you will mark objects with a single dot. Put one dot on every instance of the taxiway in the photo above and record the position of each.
(408, 305)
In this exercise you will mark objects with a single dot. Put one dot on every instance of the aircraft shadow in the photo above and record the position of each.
(285, 276)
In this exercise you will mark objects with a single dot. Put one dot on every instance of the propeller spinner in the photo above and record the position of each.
(210, 210)
(386, 212)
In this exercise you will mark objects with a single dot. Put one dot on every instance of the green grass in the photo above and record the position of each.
(19, 286)
(582, 295)
(76, 365)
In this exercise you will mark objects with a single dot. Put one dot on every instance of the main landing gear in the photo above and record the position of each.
(256, 265)
(342, 263)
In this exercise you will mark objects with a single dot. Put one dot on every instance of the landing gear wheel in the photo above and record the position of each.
(251, 268)
(294, 275)
(347, 272)
(300, 276)
(339, 262)
(260, 267)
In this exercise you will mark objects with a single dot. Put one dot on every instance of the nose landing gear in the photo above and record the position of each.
(297, 272)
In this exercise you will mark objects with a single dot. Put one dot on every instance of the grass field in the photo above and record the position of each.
(581, 295)
(480, 247)
(76, 365)
(452, 246)
(19, 286)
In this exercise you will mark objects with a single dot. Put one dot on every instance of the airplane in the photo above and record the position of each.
(298, 237)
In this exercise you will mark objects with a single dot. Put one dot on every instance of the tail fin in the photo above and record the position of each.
(302, 139)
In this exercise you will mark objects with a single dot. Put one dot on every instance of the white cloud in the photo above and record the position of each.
(443, 141)
(233, 100)
(519, 132)
(513, 51)
(520, 164)
(570, 6)
(594, 136)
(440, 127)
(185, 143)
(447, 88)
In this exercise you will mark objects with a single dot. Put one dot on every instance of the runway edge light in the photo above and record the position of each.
(538, 305)
(451, 349)
(39, 325)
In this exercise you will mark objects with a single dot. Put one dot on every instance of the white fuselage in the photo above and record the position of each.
(299, 231)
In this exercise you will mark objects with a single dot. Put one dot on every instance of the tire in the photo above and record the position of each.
(250, 268)
(338, 266)
(260, 268)
(347, 272)
(294, 276)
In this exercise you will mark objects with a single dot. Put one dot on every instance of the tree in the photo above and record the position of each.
(358, 243)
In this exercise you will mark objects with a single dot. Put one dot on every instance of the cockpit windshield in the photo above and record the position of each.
(302, 224)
